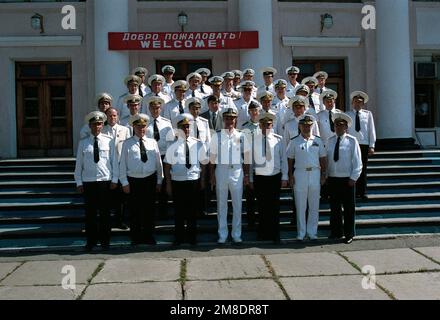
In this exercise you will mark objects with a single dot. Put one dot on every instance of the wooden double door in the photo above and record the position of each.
(44, 109)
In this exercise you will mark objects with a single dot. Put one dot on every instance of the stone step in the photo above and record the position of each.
(39, 168)
(76, 229)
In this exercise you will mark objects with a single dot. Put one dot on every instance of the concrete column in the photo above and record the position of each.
(111, 67)
(256, 15)
(395, 115)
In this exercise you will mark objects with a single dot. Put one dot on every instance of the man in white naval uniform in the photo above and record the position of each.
(292, 74)
(103, 102)
(204, 88)
(266, 98)
(176, 106)
(307, 169)
(344, 168)
(242, 104)
(156, 82)
(96, 173)
(161, 130)
(119, 134)
(314, 100)
(248, 75)
(133, 104)
(322, 77)
(365, 132)
(184, 168)
(142, 73)
(224, 102)
(325, 122)
(270, 175)
(141, 176)
(299, 106)
(200, 126)
(280, 101)
(168, 73)
(194, 79)
(132, 83)
(226, 157)
(238, 76)
(268, 74)
(250, 128)
(228, 86)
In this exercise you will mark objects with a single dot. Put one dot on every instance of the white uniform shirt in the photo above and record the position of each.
(131, 164)
(367, 135)
(86, 170)
(306, 152)
(291, 129)
(166, 132)
(145, 90)
(119, 134)
(171, 110)
(243, 114)
(231, 94)
(349, 163)
(291, 90)
(227, 149)
(317, 103)
(145, 109)
(324, 125)
(204, 133)
(197, 94)
(176, 157)
(265, 164)
(167, 89)
(206, 91)
(270, 88)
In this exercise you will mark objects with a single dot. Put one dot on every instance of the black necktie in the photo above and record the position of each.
(187, 162)
(311, 102)
(141, 93)
(336, 152)
(201, 89)
(193, 94)
(332, 125)
(197, 130)
(157, 94)
(144, 156)
(267, 88)
(96, 150)
(156, 131)
(214, 120)
(358, 122)
(181, 107)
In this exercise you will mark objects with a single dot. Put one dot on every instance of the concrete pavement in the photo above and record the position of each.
(400, 268)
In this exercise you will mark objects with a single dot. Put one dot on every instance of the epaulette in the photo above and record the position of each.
(195, 139)
(318, 137)
(202, 119)
(166, 119)
(295, 137)
(244, 124)
(104, 135)
(278, 136)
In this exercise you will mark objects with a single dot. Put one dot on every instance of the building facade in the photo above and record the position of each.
(51, 74)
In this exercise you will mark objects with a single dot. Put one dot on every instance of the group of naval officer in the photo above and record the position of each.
(189, 138)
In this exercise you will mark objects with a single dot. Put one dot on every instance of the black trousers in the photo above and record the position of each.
(117, 205)
(162, 206)
(97, 212)
(341, 194)
(142, 206)
(250, 206)
(186, 200)
(361, 183)
(267, 190)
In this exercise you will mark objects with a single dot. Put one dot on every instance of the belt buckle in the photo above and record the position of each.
(231, 166)
(309, 169)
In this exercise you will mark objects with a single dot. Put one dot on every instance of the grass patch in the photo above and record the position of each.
(275, 277)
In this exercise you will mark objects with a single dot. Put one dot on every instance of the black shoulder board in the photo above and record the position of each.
(295, 137)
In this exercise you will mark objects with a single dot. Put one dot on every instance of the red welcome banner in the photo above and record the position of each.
(182, 40)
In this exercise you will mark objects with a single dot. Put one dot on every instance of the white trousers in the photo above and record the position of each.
(307, 190)
(228, 179)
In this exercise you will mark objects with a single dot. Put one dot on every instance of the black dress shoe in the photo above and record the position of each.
(333, 237)
(348, 240)
(177, 243)
(150, 241)
(105, 247)
(89, 247)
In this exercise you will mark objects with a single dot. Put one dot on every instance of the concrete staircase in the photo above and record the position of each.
(40, 208)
